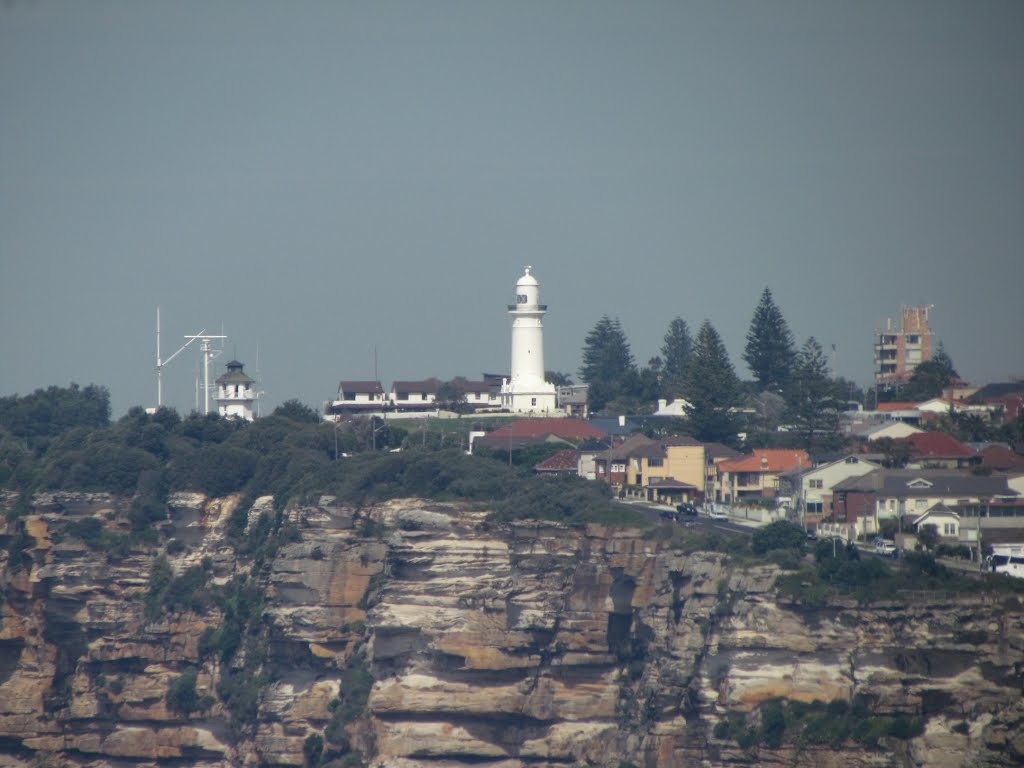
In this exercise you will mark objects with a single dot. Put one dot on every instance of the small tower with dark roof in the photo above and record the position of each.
(235, 393)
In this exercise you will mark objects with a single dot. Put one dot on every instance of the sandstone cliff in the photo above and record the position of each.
(523, 645)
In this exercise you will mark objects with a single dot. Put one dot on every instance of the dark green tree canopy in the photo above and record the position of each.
(810, 394)
(769, 352)
(297, 411)
(607, 362)
(675, 356)
(930, 377)
(712, 388)
(54, 410)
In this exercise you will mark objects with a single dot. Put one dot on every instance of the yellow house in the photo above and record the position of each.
(669, 470)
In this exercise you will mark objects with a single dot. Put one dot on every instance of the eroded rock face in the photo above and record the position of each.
(525, 645)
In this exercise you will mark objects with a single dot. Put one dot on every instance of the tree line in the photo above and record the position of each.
(790, 386)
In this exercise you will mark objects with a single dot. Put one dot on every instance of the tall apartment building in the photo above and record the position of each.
(898, 351)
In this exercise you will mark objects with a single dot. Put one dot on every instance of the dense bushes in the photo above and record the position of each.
(50, 412)
(780, 721)
(182, 696)
(778, 535)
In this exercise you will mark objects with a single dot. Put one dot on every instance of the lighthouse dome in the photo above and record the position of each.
(527, 279)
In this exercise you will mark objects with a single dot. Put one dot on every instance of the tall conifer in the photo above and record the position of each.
(676, 353)
(813, 409)
(769, 352)
(711, 388)
(607, 362)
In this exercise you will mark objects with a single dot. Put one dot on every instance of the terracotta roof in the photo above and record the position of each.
(897, 406)
(568, 429)
(563, 461)
(936, 445)
(1001, 457)
(774, 460)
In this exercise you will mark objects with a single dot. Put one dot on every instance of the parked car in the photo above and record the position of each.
(687, 509)
(885, 548)
(718, 513)
(667, 514)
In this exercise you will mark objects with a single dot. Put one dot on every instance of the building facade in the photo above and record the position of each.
(899, 350)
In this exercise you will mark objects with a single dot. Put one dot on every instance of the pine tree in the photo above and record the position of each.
(813, 409)
(769, 351)
(676, 353)
(712, 388)
(607, 362)
(931, 377)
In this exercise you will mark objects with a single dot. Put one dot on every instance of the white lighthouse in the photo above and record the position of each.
(527, 391)
(235, 394)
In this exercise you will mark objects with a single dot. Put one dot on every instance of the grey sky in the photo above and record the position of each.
(323, 177)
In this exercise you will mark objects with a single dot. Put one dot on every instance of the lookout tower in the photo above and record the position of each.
(235, 393)
(527, 391)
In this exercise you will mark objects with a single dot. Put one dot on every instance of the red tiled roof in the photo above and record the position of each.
(897, 406)
(567, 429)
(936, 444)
(563, 461)
(1001, 457)
(774, 460)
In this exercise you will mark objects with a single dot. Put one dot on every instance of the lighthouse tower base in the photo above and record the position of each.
(539, 400)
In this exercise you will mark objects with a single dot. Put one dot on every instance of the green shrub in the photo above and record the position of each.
(168, 592)
(312, 749)
(782, 721)
(181, 694)
(778, 535)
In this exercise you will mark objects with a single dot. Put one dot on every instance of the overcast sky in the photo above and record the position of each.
(321, 179)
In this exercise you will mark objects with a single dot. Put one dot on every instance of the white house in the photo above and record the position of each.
(814, 494)
(945, 520)
(891, 429)
(678, 407)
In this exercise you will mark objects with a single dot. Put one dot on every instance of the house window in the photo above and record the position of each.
(921, 503)
(533, 401)
(816, 483)
(913, 339)
(655, 463)
(949, 529)
(852, 460)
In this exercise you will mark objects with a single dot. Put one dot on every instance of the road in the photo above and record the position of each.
(700, 521)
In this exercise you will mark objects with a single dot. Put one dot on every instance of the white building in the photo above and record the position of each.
(235, 393)
(814, 494)
(527, 391)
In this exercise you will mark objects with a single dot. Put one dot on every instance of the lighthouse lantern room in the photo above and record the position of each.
(235, 393)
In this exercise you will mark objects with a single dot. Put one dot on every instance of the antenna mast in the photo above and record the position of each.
(208, 354)
(161, 363)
